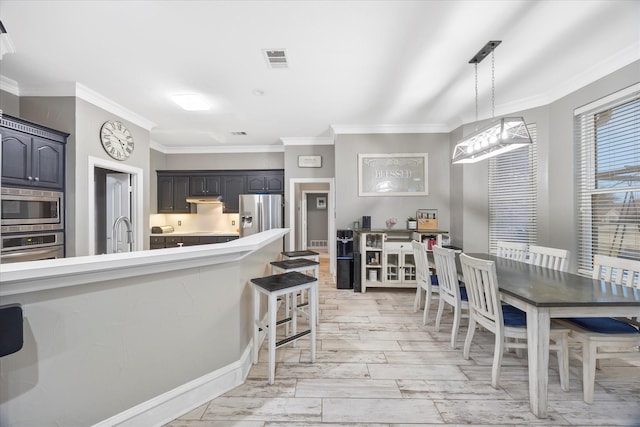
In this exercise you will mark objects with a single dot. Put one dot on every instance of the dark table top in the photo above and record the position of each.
(543, 287)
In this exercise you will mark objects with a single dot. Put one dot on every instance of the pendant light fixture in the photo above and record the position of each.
(501, 135)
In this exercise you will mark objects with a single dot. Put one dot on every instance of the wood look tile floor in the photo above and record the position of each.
(377, 365)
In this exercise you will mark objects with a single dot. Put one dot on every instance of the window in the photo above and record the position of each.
(608, 148)
(512, 195)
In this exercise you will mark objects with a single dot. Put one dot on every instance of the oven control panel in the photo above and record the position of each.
(23, 241)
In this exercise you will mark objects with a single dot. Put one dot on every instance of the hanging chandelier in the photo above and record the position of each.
(501, 135)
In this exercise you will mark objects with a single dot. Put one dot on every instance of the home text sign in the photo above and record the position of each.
(398, 174)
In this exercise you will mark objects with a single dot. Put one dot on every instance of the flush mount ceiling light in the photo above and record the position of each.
(191, 101)
(501, 135)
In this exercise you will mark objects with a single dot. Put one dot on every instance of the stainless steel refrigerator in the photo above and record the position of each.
(260, 212)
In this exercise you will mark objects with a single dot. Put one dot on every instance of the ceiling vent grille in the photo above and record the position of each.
(238, 132)
(276, 58)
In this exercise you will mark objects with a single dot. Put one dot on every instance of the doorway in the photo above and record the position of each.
(116, 191)
(295, 218)
(314, 220)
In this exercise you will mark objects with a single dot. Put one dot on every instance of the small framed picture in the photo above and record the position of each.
(321, 203)
(309, 161)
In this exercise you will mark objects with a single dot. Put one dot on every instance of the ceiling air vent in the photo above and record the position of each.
(238, 132)
(276, 58)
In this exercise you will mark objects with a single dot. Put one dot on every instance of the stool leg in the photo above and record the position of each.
(294, 316)
(256, 324)
(273, 306)
(313, 307)
(317, 292)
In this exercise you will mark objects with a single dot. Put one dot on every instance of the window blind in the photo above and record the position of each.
(512, 195)
(608, 150)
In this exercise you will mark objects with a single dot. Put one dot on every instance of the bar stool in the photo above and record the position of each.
(314, 256)
(301, 265)
(275, 286)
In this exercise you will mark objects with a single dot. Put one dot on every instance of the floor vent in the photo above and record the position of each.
(318, 244)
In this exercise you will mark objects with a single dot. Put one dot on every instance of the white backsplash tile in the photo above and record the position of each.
(208, 218)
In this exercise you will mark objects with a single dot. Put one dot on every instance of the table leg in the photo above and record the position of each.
(538, 329)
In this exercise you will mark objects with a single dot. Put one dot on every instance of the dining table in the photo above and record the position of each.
(545, 294)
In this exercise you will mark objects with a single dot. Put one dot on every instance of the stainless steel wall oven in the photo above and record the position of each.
(31, 247)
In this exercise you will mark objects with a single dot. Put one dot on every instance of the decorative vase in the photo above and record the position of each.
(412, 224)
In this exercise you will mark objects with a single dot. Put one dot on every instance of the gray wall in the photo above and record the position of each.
(351, 207)
(92, 351)
(225, 161)
(9, 104)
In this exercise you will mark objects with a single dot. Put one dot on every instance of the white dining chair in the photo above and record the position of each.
(451, 291)
(604, 337)
(512, 250)
(553, 258)
(425, 282)
(503, 320)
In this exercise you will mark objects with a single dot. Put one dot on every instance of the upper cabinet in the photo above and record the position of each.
(232, 187)
(205, 185)
(32, 155)
(229, 184)
(266, 182)
(173, 191)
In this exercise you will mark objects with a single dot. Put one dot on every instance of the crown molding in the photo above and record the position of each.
(8, 85)
(412, 128)
(224, 149)
(307, 140)
(80, 91)
(98, 100)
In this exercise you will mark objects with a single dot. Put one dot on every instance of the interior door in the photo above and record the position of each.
(118, 204)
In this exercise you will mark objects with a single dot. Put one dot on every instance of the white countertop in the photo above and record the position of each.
(22, 277)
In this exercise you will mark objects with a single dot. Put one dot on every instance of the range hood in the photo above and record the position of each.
(205, 200)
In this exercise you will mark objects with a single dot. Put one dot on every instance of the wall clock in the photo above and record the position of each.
(116, 140)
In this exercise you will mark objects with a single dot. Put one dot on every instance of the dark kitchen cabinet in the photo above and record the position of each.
(32, 155)
(232, 187)
(157, 242)
(173, 191)
(272, 182)
(206, 240)
(205, 185)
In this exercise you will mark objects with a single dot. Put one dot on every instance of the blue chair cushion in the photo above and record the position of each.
(434, 280)
(463, 294)
(513, 316)
(604, 325)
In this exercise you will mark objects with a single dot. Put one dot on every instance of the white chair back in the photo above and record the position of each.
(481, 282)
(513, 250)
(445, 260)
(620, 271)
(422, 264)
(553, 258)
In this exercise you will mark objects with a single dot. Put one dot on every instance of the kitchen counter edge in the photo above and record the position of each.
(18, 278)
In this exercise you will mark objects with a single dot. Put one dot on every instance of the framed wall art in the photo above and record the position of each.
(397, 174)
(321, 203)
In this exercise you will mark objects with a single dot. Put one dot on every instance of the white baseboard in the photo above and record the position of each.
(170, 405)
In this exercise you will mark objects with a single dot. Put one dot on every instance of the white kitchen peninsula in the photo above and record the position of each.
(131, 338)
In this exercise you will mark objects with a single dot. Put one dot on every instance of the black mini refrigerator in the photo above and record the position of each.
(344, 257)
